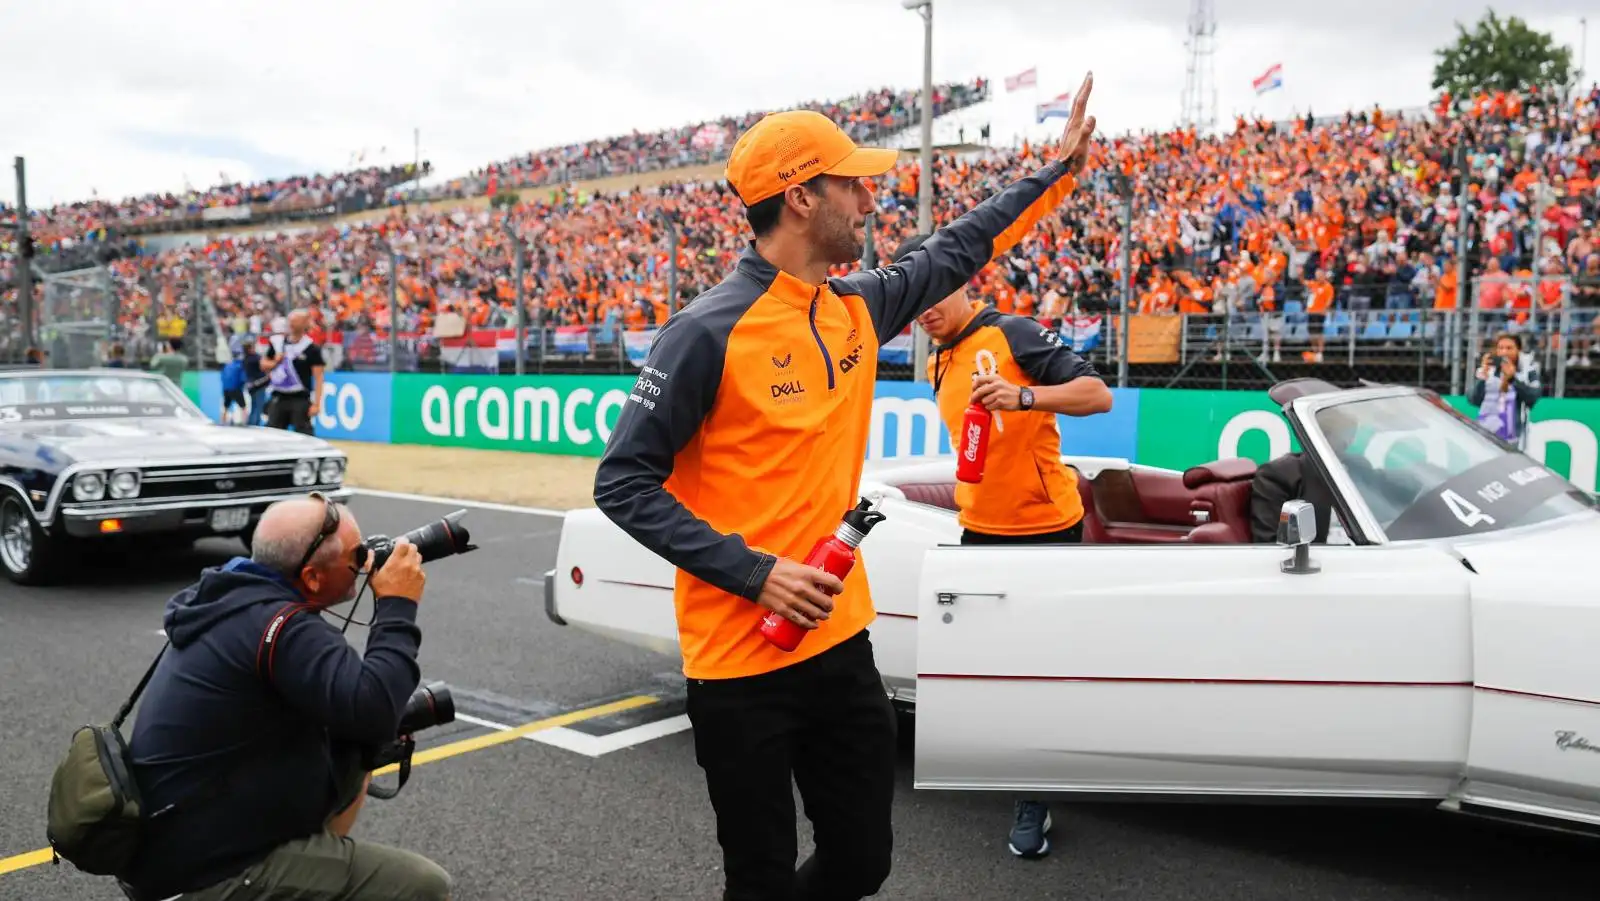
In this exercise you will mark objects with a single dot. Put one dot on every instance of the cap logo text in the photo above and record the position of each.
(786, 175)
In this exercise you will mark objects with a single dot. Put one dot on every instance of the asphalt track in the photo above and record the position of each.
(594, 807)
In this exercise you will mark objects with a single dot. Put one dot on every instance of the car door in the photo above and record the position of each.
(1193, 669)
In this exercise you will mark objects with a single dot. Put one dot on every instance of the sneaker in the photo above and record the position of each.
(1029, 833)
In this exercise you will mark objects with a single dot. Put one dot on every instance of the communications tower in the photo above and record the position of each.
(1200, 83)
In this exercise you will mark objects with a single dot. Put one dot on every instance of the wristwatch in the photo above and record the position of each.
(1026, 399)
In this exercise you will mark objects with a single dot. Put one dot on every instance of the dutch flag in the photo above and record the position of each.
(1272, 78)
(1061, 106)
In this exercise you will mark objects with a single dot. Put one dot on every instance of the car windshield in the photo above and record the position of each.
(1425, 472)
(86, 396)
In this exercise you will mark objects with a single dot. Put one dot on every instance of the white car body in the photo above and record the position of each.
(1457, 669)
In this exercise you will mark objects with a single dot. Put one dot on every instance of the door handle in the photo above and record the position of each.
(947, 598)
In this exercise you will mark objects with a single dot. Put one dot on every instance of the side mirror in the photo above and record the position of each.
(1297, 528)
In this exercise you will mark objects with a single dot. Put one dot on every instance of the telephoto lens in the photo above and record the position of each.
(444, 537)
(430, 705)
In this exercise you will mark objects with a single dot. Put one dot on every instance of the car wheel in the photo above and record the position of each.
(26, 552)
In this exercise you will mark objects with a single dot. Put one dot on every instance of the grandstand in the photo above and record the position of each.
(1276, 249)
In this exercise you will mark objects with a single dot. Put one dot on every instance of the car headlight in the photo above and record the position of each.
(125, 484)
(305, 472)
(89, 486)
(332, 471)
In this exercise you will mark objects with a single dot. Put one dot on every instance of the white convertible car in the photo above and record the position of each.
(1426, 627)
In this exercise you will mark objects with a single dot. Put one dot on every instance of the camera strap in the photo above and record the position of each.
(267, 648)
(408, 746)
(127, 706)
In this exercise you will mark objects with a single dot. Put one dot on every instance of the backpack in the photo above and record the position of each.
(95, 811)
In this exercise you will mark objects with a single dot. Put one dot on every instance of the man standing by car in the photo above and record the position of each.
(1024, 375)
(293, 364)
(742, 444)
(248, 761)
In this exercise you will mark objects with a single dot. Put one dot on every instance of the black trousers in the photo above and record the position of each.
(827, 723)
(286, 411)
(1072, 534)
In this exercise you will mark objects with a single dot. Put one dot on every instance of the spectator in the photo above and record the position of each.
(171, 362)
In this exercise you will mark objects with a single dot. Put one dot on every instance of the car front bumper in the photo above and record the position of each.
(193, 516)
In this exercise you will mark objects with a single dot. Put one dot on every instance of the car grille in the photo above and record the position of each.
(191, 481)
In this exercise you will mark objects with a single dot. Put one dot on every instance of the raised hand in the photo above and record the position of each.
(1075, 139)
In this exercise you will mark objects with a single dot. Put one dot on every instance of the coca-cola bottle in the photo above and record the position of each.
(834, 554)
(973, 442)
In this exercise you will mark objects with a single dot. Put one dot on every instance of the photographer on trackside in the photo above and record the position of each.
(247, 744)
(743, 443)
(1023, 374)
(294, 367)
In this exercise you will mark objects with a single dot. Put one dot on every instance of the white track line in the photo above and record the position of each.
(590, 745)
(459, 502)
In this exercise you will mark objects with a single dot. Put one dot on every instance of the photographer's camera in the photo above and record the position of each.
(430, 705)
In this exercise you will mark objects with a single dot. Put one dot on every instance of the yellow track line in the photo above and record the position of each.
(453, 749)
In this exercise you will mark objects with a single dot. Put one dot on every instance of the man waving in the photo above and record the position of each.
(742, 443)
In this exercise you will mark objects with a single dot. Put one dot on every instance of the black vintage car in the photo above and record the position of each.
(114, 454)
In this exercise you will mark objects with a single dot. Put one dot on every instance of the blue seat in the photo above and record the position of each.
(1254, 329)
(1402, 328)
(1377, 328)
(1338, 324)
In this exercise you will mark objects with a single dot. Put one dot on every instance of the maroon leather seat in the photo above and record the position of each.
(1094, 528)
(934, 494)
(1222, 490)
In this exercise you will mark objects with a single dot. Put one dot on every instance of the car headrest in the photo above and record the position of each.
(1231, 469)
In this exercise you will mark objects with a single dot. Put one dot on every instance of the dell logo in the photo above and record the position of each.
(787, 389)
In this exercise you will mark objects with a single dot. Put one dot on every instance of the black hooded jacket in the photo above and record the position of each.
(232, 766)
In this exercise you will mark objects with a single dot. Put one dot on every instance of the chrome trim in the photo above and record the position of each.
(550, 598)
(153, 474)
(126, 510)
(22, 492)
(65, 476)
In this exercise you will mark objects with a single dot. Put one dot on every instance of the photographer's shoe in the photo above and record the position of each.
(1030, 833)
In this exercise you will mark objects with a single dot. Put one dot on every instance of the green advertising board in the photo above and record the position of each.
(1179, 428)
(571, 415)
(191, 386)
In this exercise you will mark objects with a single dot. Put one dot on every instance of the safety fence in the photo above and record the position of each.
(573, 415)
(1407, 333)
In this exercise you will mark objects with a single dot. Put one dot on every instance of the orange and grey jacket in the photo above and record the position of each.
(744, 437)
(1026, 489)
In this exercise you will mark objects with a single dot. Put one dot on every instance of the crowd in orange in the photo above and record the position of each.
(1355, 212)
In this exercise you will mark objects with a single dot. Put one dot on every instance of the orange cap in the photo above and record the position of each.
(789, 148)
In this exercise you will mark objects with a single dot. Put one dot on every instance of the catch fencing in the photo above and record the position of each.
(1362, 335)
(1370, 336)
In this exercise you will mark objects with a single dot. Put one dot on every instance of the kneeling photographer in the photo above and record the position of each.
(254, 744)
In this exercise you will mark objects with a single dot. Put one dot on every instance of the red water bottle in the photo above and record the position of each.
(836, 555)
(974, 443)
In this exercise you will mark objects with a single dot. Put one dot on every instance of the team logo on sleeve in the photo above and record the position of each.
(850, 360)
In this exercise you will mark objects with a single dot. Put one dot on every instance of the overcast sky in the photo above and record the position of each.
(130, 98)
